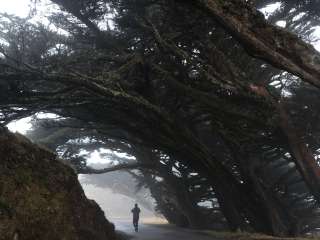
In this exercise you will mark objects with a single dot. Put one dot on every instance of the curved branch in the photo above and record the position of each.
(263, 40)
(119, 167)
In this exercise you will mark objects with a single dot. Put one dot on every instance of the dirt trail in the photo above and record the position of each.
(159, 232)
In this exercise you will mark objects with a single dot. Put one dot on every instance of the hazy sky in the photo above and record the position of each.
(18, 7)
(22, 8)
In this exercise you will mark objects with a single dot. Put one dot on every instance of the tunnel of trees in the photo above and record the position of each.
(215, 103)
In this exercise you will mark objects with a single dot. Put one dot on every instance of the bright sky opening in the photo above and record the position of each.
(17, 7)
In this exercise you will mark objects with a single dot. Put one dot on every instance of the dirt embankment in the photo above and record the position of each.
(41, 198)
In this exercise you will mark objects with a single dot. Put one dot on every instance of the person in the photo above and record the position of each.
(136, 214)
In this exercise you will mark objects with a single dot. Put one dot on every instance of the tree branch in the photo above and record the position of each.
(261, 39)
(119, 167)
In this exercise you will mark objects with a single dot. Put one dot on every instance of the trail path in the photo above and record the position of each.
(159, 232)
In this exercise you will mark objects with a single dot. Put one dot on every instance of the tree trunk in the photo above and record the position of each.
(186, 205)
(239, 202)
(200, 159)
(302, 156)
(229, 206)
(280, 221)
(276, 214)
(261, 39)
(169, 211)
(233, 201)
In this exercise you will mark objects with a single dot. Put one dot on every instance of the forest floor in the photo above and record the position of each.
(168, 232)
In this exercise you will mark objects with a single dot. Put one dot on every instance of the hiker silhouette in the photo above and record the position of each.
(136, 214)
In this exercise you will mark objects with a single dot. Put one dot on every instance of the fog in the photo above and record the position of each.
(115, 206)
(115, 192)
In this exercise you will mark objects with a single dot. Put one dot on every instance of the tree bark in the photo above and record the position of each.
(229, 194)
(239, 202)
(118, 167)
(277, 216)
(185, 203)
(301, 154)
(279, 220)
(262, 40)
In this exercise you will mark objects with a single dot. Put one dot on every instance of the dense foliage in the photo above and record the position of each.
(217, 105)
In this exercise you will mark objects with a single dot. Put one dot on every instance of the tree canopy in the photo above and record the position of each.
(216, 103)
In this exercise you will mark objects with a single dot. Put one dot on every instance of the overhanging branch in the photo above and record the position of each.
(261, 39)
(119, 167)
